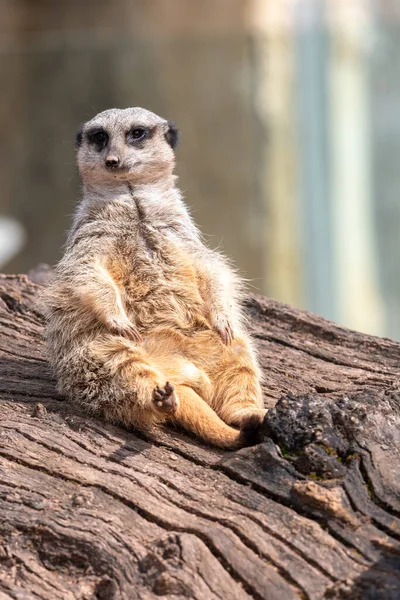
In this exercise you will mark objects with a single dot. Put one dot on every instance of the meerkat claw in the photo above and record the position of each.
(226, 334)
(229, 335)
(126, 330)
(133, 334)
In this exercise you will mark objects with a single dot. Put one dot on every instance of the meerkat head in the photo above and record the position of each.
(132, 145)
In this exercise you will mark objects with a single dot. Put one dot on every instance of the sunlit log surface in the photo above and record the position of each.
(93, 511)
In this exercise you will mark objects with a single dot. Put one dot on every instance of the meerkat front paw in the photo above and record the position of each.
(123, 326)
(165, 399)
(224, 328)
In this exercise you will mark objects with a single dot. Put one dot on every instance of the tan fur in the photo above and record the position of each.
(138, 300)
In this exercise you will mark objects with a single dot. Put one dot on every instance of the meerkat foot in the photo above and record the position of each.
(165, 399)
(239, 417)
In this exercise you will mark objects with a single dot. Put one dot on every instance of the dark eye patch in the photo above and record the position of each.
(172, 135)
(137, 134)
(98, 137)
(78, 137)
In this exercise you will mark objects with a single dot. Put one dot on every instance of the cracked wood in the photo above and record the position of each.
(94, 511)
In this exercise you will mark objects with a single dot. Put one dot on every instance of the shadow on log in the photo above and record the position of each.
(90, 511)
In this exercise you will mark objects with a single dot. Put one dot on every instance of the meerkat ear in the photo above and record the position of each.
(172, 135)
(78, 137)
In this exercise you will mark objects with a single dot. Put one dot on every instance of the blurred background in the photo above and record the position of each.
(289, 114)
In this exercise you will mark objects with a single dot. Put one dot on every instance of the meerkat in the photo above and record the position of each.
(144, 321)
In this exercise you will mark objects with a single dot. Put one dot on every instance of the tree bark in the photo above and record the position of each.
(89, 510)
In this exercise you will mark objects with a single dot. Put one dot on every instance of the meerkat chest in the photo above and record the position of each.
(156, 262)
(162, 285)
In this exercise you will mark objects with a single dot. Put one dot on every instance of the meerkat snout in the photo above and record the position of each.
(112, 162)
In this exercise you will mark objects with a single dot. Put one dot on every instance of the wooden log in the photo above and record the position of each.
(92, 511)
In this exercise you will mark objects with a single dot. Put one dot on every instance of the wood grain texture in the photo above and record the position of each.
(90, 511)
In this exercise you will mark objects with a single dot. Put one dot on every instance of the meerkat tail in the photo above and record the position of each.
(198, 417)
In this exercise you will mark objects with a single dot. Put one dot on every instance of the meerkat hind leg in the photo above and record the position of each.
(237, 392)
(147, 396)
(196, 416)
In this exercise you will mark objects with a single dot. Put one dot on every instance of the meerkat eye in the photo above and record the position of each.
(137, 133)
(100, 137)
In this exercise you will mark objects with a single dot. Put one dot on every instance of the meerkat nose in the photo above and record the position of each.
(112, 161)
